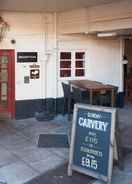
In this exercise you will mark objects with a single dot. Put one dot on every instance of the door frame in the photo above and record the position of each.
(122, 52)
(11, 73)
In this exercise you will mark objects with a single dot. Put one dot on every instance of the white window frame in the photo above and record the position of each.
(84, 60)
(73, 68)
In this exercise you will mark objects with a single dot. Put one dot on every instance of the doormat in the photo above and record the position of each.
(59, 176)
(53, 141)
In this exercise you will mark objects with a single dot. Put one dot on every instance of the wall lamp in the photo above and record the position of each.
(108, 34)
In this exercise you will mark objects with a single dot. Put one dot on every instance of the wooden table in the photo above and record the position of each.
(93, 86)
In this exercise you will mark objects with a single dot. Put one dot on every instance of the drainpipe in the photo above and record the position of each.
(48, 53)
(44, 60)
(56, 58)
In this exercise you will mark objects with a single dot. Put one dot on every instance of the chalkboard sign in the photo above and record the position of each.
(92, 141)
(25, 57)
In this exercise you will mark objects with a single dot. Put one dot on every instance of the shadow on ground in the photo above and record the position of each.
(59, 176)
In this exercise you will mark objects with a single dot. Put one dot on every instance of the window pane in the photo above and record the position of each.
(65, 64)
(79, 64)
(65, 55)
(4, 75)
(79, 72)
(4, 59)
(3, 91)
(3, 95)
(65, 73)
(80, 55)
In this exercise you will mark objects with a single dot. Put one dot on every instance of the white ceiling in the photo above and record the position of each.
(48, 5)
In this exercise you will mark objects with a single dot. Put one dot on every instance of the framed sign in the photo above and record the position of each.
(26, 57)
(34, 74)
(92, 141)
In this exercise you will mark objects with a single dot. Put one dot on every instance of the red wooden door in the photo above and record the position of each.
(7, 82)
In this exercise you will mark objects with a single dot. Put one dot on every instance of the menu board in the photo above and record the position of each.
(92, 139)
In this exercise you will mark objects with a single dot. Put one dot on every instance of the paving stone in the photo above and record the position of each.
(61, 152)
(13, 139)
(18, 144)
(6, 129)
(17, 173)
(49, 163)
(32, 154)
(6, 157)
(23, 124)
(98, 182)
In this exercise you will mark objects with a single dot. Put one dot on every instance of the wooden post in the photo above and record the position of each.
(118, 142)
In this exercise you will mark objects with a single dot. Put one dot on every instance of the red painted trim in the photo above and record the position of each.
(11, 82)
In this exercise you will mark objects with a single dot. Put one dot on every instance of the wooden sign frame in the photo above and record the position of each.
(71, 165)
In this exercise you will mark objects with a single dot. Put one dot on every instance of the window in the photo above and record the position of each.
(72, 64)
(80, 62)
(65, 64)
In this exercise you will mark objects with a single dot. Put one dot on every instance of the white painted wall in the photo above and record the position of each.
(33, 32)
(36, 32)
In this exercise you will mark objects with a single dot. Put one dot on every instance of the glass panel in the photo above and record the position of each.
(79, 72)
(4, 75)
(80, 55)
(3, 65)
(79, 64)
(65, 73)
(65, 64)
(4, 92)
(65, 55)
(4, 59)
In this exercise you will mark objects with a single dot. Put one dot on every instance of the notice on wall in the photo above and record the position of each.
(25, 57)
(92, 139)
(34, 66)
(34, 74)
(26, 79)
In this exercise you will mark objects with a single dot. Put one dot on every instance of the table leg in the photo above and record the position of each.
(91, 97)
(69, 108)
(112, 98)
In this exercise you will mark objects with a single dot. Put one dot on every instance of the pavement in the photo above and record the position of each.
(125, 124)
(21, 160)
(59, 176)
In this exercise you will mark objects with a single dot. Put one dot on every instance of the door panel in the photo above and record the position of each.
(7, 82)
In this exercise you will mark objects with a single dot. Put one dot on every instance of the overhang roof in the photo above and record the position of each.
(49, 5)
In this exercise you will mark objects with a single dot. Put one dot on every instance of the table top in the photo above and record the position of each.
(91, 85)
